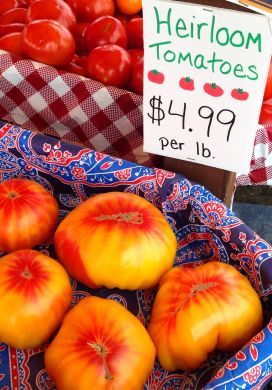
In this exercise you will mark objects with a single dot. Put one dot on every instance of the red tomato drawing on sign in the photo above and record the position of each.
(213, 89)
(155, 76)
(187, 83)
(239, 94)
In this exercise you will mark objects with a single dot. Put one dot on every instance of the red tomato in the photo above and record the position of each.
(135, 229)
(124, 19)
(78, 33)
(100, 345)
(110, 64)
(49, 42)
(266, 114)
(23, 3)
(10, 28)
(12, 43)
(268, 85)
(35, 294)
(137, 83)
(78, 65)
(136, 54)
(57, 10)
(104, 31)
(197, 310)
(5, 5)
(15, 15)
(135, 33)
(88, 11)
(129, 7)
(28, 214)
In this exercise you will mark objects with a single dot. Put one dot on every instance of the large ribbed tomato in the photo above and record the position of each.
(116, 239)
(35, 293)
(28, 214)
(100, 346)
(198, 310)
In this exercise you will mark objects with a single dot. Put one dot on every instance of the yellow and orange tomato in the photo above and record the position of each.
(116, 239)
(28, 214)
(100, 345)
(35, 293)
(198, 310)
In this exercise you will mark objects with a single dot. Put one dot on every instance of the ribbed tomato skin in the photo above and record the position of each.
(116, 239)
(198, 310)
(100, 345)
(35, 293)
(28, 214)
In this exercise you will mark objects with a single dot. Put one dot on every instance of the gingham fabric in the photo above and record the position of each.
(85, 112)
(260, 171)
(67, 106)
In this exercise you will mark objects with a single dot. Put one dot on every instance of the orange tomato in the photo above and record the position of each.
(198, 310)
(35, 293)
(28, 214)
(129, 7)
(100, 345)
(116, 240)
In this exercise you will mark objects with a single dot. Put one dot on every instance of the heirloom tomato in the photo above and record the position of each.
(198, 310)
(100, 345)
(57, 10)
(35, 293)
(49, 42)
(89, 10)
(110, 64)
(28, 214)
(116, 240)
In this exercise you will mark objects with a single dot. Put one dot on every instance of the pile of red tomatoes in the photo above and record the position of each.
(99, 39)
(266, 110)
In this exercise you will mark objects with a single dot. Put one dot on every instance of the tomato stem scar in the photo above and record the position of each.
(102, 352)
(133, 217)
(194, 291)
(12, 195)
(26, 274)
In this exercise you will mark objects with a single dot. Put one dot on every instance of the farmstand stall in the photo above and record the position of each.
(107, 119)
(205, 228)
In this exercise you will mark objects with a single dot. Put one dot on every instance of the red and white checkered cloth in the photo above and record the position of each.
(80, 110)
(260, 171)
(70, 107)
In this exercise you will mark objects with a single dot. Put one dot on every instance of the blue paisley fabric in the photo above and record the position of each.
(205, 228)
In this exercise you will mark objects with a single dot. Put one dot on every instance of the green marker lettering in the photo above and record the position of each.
(160, 22)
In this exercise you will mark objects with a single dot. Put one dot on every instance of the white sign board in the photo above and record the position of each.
(205, 70)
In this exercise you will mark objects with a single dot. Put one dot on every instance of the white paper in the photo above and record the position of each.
(232, 49)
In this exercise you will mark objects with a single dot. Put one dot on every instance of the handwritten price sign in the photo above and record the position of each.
(204, 77)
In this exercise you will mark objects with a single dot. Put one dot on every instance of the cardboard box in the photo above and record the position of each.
(205, 229)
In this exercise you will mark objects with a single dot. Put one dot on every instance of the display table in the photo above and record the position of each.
(205, 228)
